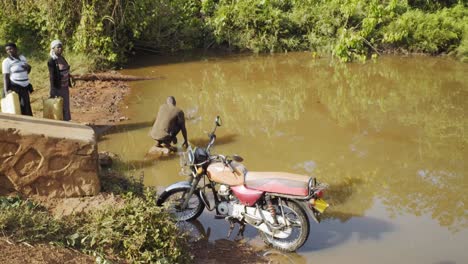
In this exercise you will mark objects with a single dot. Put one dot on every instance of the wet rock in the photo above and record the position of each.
(106, 159)
(156, 151)
(47, 157)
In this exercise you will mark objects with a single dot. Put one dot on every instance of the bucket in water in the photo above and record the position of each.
(53, 108)
(11, 104)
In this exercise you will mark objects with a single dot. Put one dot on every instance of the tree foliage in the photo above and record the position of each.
(348, 29)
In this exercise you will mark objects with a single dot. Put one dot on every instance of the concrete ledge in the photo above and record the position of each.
(47, 157)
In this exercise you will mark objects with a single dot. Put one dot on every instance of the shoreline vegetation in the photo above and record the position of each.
(106, 33)
(100, 35)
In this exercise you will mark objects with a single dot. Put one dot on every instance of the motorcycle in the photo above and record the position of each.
(275, 203)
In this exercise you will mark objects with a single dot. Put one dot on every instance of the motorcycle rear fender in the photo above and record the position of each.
(308, 211)
(302, 203)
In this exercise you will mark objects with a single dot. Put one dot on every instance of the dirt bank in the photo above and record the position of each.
(20, 253)
(97, 98)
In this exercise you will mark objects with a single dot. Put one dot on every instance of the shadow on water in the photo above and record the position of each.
(220, 140)
(332, 233)
(276, 256)
(340, 193)
(218, 251)
(102, 130)
(328, 234)
(148, 161)
(135, 164)
(146, 60)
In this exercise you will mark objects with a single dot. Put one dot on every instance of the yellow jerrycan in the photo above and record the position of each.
(53, 108)
(11, 104)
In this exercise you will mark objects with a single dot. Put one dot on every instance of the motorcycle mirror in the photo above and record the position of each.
(218, 121)
(237, 158)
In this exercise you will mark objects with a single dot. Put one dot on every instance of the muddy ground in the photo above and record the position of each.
(97, 100)
(13, 253)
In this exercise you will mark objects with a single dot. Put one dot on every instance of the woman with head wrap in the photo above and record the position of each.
(59, 76)
(15, 70)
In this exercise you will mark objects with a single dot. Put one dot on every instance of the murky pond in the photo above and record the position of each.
(390, 137)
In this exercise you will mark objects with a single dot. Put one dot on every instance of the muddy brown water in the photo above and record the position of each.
(390, 137)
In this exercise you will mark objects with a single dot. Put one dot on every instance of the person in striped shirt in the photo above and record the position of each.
(15, 69)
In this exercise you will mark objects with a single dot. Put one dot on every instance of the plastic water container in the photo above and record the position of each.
(11, 104)
(53, 108)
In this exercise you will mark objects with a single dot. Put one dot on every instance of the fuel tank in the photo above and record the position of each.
(219, 172)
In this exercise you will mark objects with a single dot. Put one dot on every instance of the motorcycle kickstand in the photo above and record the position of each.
(232, 221)
(240, 233)
(231, 225)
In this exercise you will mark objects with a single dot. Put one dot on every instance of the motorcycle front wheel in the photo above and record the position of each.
(174, 199)
(298, 228)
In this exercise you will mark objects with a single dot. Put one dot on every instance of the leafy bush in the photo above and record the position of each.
(140, 232)
(118, 183)
(255, 25)
(103, 30)
(433, 33)
(462, 50)
(27, 221)
(432, 5)
(350, 30)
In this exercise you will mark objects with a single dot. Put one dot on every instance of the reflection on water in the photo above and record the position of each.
(393, 130)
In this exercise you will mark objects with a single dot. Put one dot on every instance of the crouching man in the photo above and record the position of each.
(169, 121)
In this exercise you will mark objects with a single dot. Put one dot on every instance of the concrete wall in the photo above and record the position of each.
(47, 157)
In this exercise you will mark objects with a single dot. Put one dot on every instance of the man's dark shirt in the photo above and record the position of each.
(169, 122)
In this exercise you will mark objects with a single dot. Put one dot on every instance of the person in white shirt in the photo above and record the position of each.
(15, 69)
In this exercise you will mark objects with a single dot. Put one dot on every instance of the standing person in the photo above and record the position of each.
(16, 71)
(59, 76)
(169, 122)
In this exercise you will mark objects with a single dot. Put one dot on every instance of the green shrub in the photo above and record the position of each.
(140, 232)
(255, 25)
(118, 183)
(462, 50)
(431, 5)
(433, 33)
(27, 221)
(103, 30)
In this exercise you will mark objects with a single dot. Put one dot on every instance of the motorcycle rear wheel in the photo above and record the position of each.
(174, 199)
(300, 228)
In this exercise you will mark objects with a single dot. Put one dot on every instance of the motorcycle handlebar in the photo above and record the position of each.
(212, 141)
(212, 135)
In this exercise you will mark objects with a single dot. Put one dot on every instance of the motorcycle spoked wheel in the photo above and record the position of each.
(300, 228)
(173, 199)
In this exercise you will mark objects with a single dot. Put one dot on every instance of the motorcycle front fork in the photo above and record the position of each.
(194, 181)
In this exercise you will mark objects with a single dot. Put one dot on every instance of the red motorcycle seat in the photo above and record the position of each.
(278, 182)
